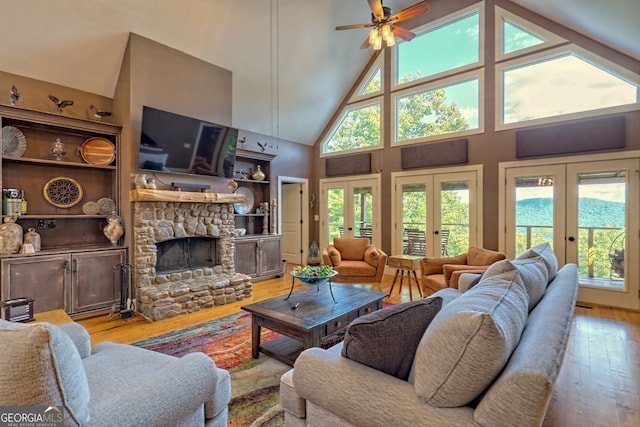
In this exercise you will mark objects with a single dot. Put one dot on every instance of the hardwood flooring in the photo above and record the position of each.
(598, 385)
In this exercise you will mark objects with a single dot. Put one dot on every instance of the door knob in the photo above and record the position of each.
(571, 238)
(436, 232)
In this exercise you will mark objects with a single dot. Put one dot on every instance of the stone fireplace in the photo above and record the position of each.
(195, 232)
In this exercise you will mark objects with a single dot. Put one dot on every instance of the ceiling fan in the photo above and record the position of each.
(383, 24)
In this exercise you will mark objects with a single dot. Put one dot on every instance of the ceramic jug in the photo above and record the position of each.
(31, 236)
(257, 174)
(10, 236)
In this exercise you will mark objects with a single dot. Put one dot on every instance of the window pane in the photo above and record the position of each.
(534, 211)
(561, 85)
(515, 38)
(438, 111)
(360, 127)
(373, 85)
(450, 46)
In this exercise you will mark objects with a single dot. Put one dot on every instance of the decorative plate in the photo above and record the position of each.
(13, 141)
(106, 205)
(247, 206)
(91, 208)
(98, 151)
(63, 192)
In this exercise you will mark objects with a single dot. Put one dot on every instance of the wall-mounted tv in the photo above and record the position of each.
(178, 144)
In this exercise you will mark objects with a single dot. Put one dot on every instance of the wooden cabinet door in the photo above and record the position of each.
(270, 256)
(95, 283)
(246, 258)
(43, 278)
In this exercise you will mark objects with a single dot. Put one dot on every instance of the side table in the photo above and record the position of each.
(405, 264)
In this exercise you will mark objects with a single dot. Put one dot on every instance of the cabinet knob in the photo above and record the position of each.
(65, 266)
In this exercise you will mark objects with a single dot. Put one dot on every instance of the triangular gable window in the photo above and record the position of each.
(515, 35)
(372, 84)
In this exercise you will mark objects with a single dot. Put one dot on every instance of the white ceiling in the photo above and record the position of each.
(289, 72)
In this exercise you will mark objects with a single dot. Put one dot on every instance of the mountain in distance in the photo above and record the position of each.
(593, 212)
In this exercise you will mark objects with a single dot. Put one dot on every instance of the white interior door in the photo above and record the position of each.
(350, 208)
(291, 199)
(589, 211)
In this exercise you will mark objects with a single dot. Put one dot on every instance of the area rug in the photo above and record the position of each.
(255, 383)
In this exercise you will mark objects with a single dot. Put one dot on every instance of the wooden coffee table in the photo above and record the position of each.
(314, 317)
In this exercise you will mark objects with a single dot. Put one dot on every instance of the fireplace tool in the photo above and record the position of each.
(127, 306)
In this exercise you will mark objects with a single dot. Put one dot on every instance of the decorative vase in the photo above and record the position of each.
(57, 149)
(257, 174)
(114, 229)
(313, 258)
(10, 236)
(141, 182)
(31, 236)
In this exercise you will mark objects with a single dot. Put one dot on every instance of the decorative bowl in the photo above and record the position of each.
(310, 280)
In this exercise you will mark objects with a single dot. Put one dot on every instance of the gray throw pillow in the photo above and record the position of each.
(387, 339)
(544, 251)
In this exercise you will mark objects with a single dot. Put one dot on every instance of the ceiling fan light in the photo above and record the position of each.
(391, 41)
(386, 32)
(377, 43)
(373, 34)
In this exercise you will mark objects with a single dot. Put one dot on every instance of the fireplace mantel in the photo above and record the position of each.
(183, 197)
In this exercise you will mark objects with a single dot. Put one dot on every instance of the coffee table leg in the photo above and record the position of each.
(255, 338)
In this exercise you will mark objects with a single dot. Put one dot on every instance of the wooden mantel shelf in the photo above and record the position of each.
(183, 197)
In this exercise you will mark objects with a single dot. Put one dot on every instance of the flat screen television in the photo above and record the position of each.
(175, 143)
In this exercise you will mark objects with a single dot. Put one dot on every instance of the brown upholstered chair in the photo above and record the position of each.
(355, 260)
(438, 273)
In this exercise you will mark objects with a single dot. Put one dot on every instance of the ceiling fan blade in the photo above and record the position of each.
(351, 27)
(403, 33)
(410, 12)
(376, 9)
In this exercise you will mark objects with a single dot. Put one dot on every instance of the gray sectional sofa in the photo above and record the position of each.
(489, 357)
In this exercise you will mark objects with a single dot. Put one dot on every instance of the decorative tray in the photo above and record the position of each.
(13, 141)
(98, 151)
(247, 206)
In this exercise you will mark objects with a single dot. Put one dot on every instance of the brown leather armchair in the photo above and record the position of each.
(438, 273)
(355, 260)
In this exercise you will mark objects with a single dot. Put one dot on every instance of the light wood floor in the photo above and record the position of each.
(599, 384)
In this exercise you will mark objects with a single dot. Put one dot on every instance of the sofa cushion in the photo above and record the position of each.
(544, 251)
(41, 366)
(334, 255)
(351, 248)
(481, 256)
(470, 340)
(387, 339)
(354, 269)
(533, 272)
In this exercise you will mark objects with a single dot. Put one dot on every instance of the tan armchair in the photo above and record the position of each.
(355, 260)
(438, 273)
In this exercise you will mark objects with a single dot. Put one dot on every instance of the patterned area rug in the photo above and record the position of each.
(255, 383)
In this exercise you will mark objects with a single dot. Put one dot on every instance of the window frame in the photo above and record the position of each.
(374, 100)
(550, 54)
(433, 85)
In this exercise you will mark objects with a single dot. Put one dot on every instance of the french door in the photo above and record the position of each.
(436, 214)
(350, 208)
(588, 210)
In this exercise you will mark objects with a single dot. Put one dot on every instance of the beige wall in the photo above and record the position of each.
(489, 148)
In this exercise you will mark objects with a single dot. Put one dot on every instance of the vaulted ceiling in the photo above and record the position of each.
(290, 67)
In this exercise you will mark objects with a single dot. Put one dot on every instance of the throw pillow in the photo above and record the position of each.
(533, 273)
(470, 341)
(40, 366)
(544, 251)
(387, 339)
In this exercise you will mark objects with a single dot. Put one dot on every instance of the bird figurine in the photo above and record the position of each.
(99, 113)
(263, 146)
(15, 96)
(60, 104)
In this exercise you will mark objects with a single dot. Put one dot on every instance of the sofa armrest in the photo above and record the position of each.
(365, 396)
(452, 272)
(177, 389)
(79, 336)
(433, 265)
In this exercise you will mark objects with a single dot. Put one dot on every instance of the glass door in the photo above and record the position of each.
(589, 212)
(350, 208)
(435, 214)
